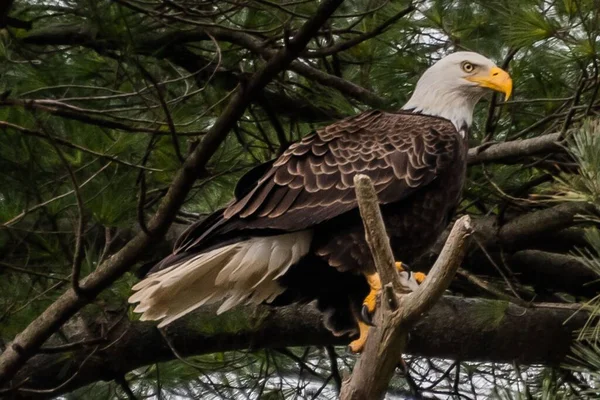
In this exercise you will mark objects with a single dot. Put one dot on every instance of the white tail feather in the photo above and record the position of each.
(242, 272)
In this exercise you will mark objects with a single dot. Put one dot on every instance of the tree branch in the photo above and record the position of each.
(163, 45)
(525, 230)
(341, 46)
(455, 328)
(396, 316)
(515, 149)
(376, 235)
(40, 329)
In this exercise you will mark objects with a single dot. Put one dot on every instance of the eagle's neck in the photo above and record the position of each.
(454, 105)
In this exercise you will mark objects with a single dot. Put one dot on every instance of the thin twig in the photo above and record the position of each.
(125, 387)
(66, 143)
(33, 273)
(491, 288)
(72, 346)
(79, 250)
(335, 372)
(341, 46)
(165, 108)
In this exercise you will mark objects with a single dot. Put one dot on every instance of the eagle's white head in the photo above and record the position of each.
(451, 87)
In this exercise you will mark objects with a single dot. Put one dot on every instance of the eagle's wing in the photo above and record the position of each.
(312, 181)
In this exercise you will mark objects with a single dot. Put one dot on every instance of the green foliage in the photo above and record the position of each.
(586, 151)
(584, 146)
(489, 314)
(93, 77)
(586, 360)
(545, 385)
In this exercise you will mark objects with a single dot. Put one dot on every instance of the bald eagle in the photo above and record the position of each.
(293, 232)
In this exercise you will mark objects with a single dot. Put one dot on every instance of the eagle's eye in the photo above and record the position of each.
(467, 67)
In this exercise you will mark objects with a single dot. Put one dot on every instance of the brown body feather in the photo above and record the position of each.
(417, 164)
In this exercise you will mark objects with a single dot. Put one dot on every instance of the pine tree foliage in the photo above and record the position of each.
(102, 101)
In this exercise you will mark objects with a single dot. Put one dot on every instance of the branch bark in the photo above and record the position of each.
(515, 149)
(396, 314)
(554, 272)
(40, 329)
(455, 328)
(528, 230)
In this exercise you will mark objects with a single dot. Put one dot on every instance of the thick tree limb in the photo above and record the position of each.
(396, 314)
(455, 328)
(548, 220)
(545, 229)
(515, 149)
(554, 272)
(39, 330)
(522, 231)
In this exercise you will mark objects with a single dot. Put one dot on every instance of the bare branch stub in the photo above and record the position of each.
(387, 341)
(375, 232)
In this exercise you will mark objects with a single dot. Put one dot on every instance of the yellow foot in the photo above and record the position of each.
(419, 276)
(356, 346)
(370, 302)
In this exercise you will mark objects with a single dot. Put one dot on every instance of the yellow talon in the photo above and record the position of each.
(419, 276)
(370, 301)
(370, 304)
(356, 346)
(368, 309)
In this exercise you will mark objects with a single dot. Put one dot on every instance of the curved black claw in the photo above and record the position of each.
(366, 316)
(406, 268)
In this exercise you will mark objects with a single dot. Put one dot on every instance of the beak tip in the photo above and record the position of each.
(508, 90)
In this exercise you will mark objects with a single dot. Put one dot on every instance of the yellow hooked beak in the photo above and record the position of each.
(498, 79)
